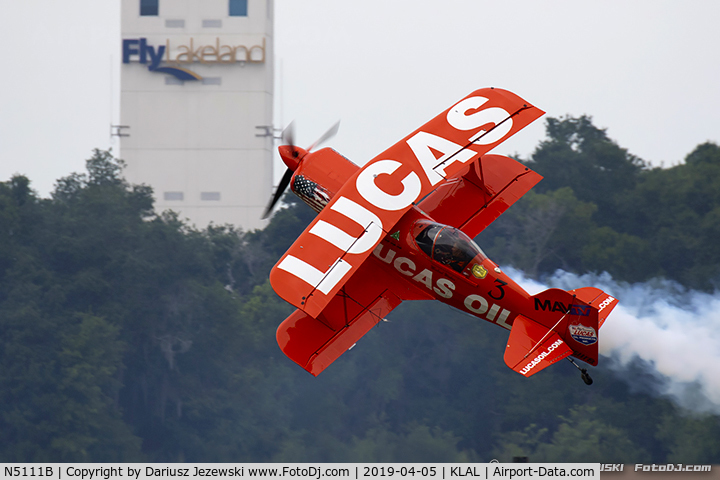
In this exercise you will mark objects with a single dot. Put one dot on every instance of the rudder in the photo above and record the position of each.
(598, 299)
(563, 324)
(573, 318)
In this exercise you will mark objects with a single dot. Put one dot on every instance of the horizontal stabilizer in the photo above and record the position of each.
(532, 347)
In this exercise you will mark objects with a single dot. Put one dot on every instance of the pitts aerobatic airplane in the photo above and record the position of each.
(401, 228)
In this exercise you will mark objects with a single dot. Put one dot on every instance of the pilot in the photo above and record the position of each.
(457, 257)
(454, 258)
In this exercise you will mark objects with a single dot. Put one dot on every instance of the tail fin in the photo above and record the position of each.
(563, 324)
(598, 299)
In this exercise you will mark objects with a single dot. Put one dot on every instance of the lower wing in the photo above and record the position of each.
(365, 299)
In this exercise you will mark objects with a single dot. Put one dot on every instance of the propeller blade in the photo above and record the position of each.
(284, 181)
(288, 135)
(288, 138)
(326, 136)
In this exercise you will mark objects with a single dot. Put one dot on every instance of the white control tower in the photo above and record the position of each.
(196, 106)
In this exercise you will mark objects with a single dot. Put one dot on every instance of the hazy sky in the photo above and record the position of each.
(648, 71)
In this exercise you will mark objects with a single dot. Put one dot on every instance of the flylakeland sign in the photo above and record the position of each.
(164, 59)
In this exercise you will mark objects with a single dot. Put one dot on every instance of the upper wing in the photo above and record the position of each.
(337, 242)
(474, 199)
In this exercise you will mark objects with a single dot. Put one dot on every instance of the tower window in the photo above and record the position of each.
(174, 196)
(149, 7)
(212, 23)
(212, 196)
(238, 8)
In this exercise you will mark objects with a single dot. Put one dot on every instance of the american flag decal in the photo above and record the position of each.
(310, 192)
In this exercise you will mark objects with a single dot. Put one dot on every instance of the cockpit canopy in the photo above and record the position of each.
(446, 245)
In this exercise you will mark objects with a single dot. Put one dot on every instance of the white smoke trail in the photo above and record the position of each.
(672, 331)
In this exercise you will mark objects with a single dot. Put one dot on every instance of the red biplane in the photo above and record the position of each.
(401, 228)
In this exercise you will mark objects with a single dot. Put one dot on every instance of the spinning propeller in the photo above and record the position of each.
(292, 155)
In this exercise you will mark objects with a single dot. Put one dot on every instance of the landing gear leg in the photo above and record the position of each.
(583, 373)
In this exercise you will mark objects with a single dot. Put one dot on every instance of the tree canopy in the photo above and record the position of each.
(126, 335)
(599, 208)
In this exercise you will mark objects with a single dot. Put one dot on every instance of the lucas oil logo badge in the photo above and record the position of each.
(583, 334)
(479, 271)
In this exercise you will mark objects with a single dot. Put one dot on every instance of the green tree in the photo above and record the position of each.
(126, 335)
(691, 439)
(542, 232)
(676, 211)
(58, 366)
(415, 443)
(578, 438)
(579, 155)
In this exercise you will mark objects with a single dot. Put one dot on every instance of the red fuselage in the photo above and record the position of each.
(479, 287)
